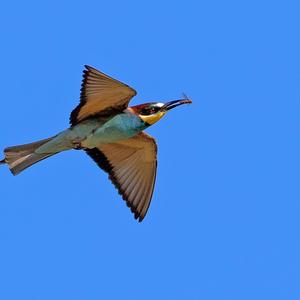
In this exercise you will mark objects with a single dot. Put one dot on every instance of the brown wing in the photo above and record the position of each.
(131, 165)
(100, 95)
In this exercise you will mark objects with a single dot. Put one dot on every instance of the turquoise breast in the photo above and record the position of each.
(122, 126)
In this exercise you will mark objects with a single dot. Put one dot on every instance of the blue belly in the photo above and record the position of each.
(120, 127)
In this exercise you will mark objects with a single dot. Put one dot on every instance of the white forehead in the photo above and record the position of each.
(158, 104)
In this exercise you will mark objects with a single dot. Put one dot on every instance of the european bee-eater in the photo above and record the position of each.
(111, 133)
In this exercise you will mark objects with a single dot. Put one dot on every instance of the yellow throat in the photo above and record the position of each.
(151, 119)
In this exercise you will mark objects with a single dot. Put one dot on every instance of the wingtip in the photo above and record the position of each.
(139, 218)
(89, 68)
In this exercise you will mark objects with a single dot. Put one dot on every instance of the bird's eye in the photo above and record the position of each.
(149, 111)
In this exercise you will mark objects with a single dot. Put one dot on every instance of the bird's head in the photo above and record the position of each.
(152, 112)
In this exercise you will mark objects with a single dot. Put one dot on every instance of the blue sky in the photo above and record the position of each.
(224, 220)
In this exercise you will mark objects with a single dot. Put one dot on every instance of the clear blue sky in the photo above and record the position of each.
(224, 220)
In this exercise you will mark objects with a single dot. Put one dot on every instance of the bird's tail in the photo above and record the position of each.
(21, 157)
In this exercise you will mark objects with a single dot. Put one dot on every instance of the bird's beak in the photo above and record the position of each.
(172, 104)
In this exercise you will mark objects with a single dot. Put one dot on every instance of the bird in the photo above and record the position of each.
(111, 133)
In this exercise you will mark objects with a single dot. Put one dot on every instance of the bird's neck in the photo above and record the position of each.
(148, 120)
(131, 111)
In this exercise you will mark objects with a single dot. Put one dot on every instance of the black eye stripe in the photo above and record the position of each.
(149, 110)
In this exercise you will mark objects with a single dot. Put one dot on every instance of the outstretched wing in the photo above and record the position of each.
(131, 165)
(100, 95)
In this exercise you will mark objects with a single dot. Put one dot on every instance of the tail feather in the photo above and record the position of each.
(21, 157)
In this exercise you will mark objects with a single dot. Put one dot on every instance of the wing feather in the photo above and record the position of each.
(100, 95)
(131, 165)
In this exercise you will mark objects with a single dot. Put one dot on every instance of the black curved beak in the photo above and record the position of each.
(170, 105)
